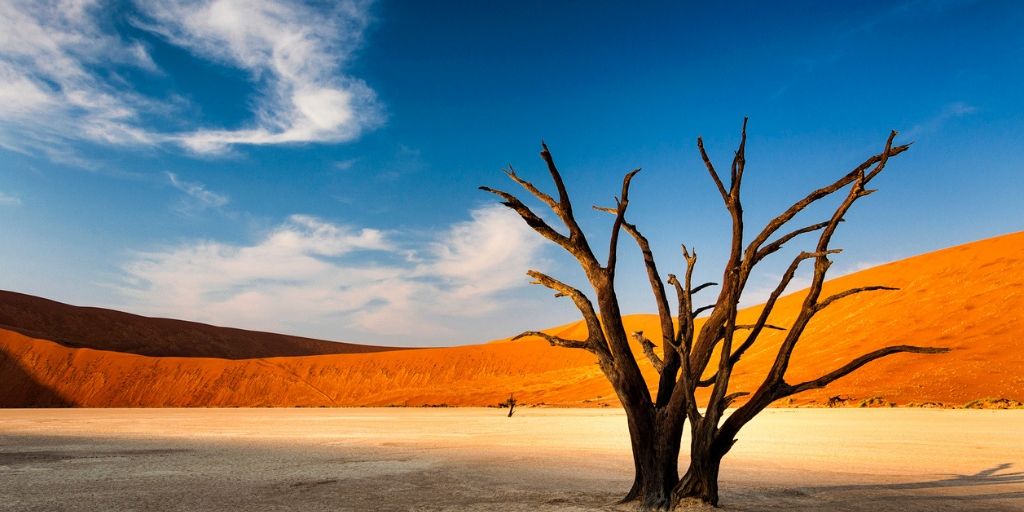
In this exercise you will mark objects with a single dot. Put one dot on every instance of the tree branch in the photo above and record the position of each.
(670, 356)
(682, 398)
(739, 162)
(653, 277)
(798, 206)
(733, 277)
(648, 348)
(703, 309)
(765, 326)
(532, 219)
(852, 366)
(777, 244)
(711, 170)
(581, 249)
(620, 218)
(739, 352)
(775, 378)
(576, 241)
(769, 305)
(556, 341)
(548, 200)
(683, 393)
(730, 398)
(563, 195)
(701, 287)
(595, 334)
(825, 303)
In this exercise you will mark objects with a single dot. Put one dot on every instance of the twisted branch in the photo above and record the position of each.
(648, 348)
(556, 341)
(825, 303)
(852, 366)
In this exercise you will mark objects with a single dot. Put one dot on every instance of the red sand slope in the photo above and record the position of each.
(969, 298)
(105, 329)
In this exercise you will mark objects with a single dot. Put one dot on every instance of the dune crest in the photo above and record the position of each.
(969, 298)
(107, 329)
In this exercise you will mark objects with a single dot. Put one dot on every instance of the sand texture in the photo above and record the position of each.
(477, 459)
(969, 298)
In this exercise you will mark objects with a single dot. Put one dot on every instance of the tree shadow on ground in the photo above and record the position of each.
(993, 476)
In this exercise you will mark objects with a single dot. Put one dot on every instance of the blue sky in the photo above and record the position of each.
(312, 168)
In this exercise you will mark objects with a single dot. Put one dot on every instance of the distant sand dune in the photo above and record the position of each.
(105, 329)
(969, 298)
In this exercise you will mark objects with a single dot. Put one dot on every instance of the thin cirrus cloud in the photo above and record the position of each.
(337, 281)
(52, 54)
(295, 53)
(9, 200)
(197, 196)
(949, 112)
(61, 80)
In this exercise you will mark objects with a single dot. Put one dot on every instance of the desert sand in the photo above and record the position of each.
(477, 459)
(969, 298)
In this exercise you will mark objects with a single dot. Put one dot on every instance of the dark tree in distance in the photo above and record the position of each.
(656, 422)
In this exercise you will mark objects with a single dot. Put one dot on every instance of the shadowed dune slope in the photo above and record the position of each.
(969, 298)
(105, 329)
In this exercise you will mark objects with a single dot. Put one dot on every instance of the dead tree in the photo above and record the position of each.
(656, 422)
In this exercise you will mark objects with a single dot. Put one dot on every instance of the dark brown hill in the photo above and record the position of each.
(106, 329)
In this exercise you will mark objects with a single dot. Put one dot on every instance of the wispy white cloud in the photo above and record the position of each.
(198, 197)
(295, 52)
(345, 165)
(51, 91)
(9, 200)
(935, 123)
(479, 258)
(321, 278)
(60, 80)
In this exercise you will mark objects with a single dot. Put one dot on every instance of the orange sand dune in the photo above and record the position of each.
(969, 298)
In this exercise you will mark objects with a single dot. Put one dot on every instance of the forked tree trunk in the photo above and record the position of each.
(656, 460)
(655, 425)
(700, 481)
(655, 437)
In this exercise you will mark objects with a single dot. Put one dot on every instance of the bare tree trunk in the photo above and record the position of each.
(656, 464)
(701, 480)
(656, 423)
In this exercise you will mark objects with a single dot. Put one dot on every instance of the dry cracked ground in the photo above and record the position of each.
(478, 459)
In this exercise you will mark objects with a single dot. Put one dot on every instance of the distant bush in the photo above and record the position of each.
(876, 401)
(993, 403)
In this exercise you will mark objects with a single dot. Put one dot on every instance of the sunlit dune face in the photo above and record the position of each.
(968, 298)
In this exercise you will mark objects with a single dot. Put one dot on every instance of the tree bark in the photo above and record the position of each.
(656, 425)
(656, 463)
(700, 481)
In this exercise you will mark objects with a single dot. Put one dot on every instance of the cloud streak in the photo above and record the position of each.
(52, 56)
(324, 279)
(9, 200)
(62, 80)
(294, 52)
(198, 197)
(935, 123)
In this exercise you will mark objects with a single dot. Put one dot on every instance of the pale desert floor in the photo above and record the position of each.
(477, 459)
